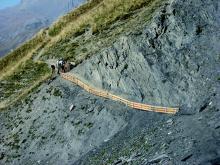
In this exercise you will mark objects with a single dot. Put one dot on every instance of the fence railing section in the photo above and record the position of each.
(108, 95)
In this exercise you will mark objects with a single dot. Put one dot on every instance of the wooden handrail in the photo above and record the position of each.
(106, 94)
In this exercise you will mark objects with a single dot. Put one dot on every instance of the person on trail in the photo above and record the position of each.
(52, 77)
(60, 65)
(52, 69)
(67, 67)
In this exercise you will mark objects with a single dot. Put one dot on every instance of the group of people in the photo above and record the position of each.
(62, 66)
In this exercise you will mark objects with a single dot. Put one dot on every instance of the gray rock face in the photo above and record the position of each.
(172, 62)
(158, 158)
(46, 131)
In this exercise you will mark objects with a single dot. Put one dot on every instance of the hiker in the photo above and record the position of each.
(66, 67)
(60, 65)
(53, 69)
(52, 74)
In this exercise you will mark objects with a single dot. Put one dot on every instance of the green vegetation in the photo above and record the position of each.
(57, 92)
(78, 122)
(110, 11)
(81, 132)
(23, 79)
(88, 125)
(126, 150)
(29, 110)
(13, 142)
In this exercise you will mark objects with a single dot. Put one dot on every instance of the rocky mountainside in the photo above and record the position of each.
(21, 22)
(161, 53)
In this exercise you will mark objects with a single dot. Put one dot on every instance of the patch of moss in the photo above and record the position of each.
(57, 92)
(78, 122)
(44, 98)
(80, 132)
(49, 90)
(14, 142)
(108, 155)
(88, 125)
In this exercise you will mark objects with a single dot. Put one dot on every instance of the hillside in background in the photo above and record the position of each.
(159, 52)
(21, 22)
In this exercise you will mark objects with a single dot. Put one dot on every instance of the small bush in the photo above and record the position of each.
(88, 125)
(57, 92)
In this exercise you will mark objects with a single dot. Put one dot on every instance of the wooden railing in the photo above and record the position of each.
(108, 95)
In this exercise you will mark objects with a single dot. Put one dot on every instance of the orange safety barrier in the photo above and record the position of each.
(106, 94)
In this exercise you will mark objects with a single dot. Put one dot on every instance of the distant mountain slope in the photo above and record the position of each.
(21, 22)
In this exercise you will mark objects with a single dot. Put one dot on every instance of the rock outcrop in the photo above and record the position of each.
(172, 61)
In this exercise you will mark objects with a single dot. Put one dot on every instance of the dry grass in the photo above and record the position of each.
(10, 62)
(72, 16)
(101, 16)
